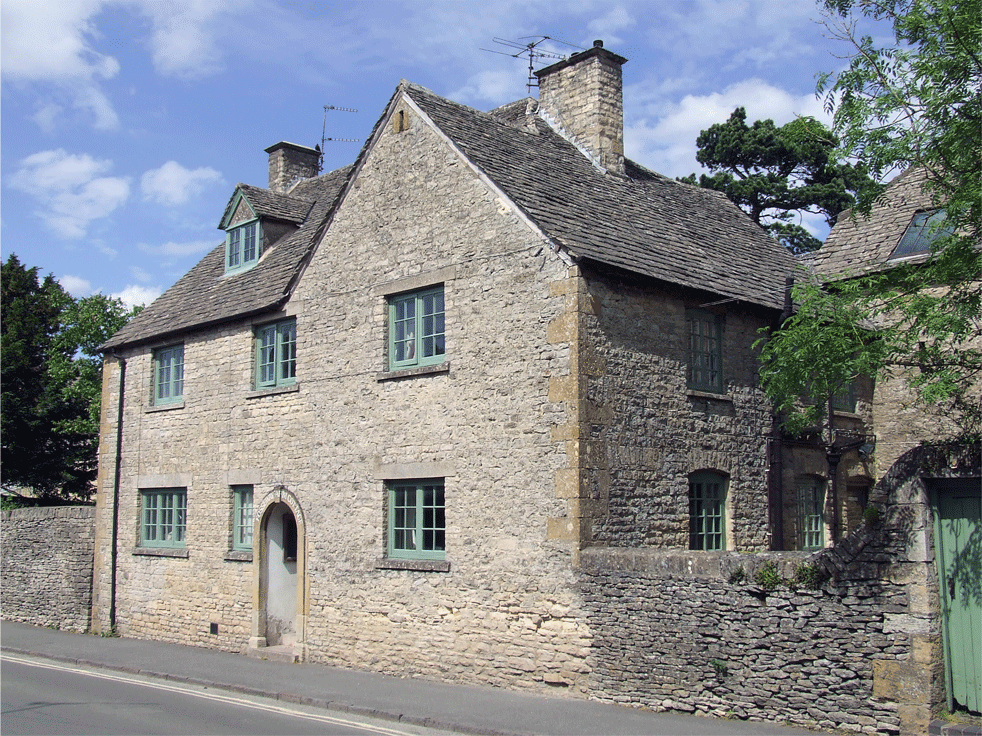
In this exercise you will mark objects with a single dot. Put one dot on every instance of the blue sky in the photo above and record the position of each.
(126, 125)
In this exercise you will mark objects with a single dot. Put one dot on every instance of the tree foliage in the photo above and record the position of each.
(777, 173)
(917, 103)
(51, 383)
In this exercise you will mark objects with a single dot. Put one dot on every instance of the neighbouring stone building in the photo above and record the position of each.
(930, 488)
(483, 406)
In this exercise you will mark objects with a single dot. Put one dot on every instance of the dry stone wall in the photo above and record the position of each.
(47, 566)
(671, 632)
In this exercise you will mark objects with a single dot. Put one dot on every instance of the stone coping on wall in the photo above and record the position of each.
(50, 512)
(686, 563)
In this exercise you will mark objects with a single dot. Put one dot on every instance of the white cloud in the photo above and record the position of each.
(140, 274)
(668, 143)
(53, 41)
(498, 87)
(57, 42)
(179, 249)
(76, 286)
(182, 41)
(47, 115)
(68, 189)
(607, 27)
(172, 184)
(138, 295)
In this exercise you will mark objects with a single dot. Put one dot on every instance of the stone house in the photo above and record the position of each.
(483, 406)
(930, 487)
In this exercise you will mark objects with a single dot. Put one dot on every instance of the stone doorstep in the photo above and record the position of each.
(946, 728)
(280, 653)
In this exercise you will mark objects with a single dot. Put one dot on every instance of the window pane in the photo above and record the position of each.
(234, 246)
(163, 379)
(417, 520)
(249, 242)
(288, 351)
(242, 518)
(811, 502)
(432, 324)
(923, 230)
(178, 372)
(267, 355)
(704, 369)
(707, 512)
(405, 330)
(164, 517)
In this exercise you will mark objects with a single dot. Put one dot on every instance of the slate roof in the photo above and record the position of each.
(205, 296)
(273, 205)
(643, 222)
(859, 244)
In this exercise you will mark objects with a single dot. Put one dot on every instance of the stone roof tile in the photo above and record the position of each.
(205, 295)
(859, 244)
(643, 222)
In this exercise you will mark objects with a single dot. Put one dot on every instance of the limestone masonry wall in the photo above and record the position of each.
(671, 632)
(47, 566)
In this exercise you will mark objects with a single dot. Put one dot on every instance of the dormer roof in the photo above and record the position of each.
(266, 204)
(205, 296)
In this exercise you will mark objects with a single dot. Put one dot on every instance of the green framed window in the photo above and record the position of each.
(705, 346)
(163, 517)
(417, 523)
(417, 329)
(242, 521)
(845, 398)
(242, 246)
(811, 513)
(276, 354)
(168, 374)
(707, 511)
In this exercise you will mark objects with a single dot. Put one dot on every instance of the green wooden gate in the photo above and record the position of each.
(957, 505)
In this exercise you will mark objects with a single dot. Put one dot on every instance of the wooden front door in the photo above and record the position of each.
(958, 552)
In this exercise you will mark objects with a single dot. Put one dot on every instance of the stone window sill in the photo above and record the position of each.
(165, 407)
(410, 372)
(291, 389)
(238, 555)
(391, 563)
(181, 552)
(694, 394)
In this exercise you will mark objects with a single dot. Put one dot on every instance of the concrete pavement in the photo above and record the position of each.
(462, 708)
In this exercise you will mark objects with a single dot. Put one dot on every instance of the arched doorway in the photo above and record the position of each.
(279, 585)
(280, 563)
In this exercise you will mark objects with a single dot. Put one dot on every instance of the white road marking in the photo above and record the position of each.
(230, 699)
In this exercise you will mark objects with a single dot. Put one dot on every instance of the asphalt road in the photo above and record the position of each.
(51, 698)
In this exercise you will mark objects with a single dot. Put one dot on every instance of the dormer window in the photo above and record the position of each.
(243, 245)
(923, 230)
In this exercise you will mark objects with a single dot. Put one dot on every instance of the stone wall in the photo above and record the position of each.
(47, 566)
(671, 632)
(648, 432)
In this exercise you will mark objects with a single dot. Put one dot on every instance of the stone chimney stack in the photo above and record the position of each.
(288, 163)
(583, 97)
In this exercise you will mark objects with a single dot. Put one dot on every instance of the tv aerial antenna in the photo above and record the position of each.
(324, 137)
(530, 48)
